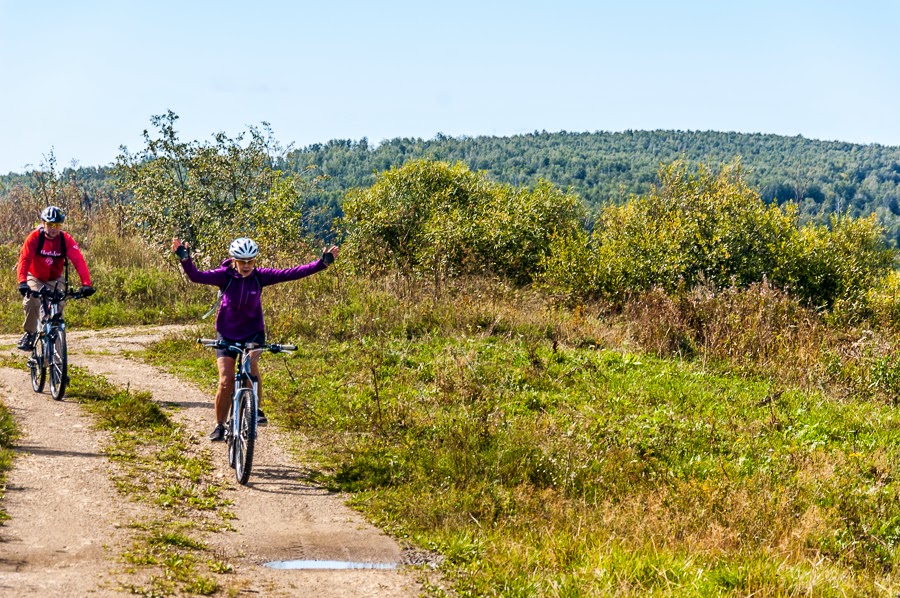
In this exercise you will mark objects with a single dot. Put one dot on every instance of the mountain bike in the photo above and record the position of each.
(50, 350)
(240, 429)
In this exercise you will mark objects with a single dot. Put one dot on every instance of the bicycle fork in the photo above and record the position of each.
(42, 359)
(240, 386)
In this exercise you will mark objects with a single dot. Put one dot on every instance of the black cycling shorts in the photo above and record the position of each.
(259, 338)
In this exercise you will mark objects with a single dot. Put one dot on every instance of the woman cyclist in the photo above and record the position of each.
(240, 315)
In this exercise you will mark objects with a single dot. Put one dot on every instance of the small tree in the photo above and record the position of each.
(21, 207)
(210, 193)
(695, 227)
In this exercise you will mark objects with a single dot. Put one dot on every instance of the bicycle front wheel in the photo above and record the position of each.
(246, 435)
(37, 366)
(59, 366)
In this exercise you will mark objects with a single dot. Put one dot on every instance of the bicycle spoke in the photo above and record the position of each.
(37, 366)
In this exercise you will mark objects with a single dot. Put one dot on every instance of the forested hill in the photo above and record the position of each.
(823, 177)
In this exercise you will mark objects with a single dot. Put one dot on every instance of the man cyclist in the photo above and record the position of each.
(42, 263)
(240, 315)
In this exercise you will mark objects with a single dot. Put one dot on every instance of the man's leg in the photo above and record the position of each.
(31, 306)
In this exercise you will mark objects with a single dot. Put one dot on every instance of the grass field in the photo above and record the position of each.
(541, 456)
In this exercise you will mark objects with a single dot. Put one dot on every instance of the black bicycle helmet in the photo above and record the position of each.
(53, 214)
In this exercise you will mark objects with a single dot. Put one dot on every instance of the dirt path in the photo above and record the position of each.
(279, 517)
(63, 535)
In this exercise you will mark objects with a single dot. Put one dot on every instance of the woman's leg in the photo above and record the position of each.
(226, 386)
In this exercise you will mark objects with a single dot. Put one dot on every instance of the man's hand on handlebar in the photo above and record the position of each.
(23, 288)
(87, 290)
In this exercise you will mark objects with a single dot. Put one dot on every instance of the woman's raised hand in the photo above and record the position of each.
(329, 255)
(179, 248)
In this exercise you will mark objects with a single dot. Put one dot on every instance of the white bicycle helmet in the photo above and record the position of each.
(53, 214)
(243, 249)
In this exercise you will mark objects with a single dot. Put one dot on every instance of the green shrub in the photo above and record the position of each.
(883, 299)
(837, 266)
(444, 221)
(710, 228)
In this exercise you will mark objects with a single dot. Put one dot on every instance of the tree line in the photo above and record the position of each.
(821, 177)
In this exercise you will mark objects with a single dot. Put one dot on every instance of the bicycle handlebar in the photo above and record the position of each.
(240, 347)
(55, 294)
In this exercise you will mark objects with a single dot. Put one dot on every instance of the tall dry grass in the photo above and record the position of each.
(763, 331)
(759, 331)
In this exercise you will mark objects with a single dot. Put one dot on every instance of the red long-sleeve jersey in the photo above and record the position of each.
(49, 264)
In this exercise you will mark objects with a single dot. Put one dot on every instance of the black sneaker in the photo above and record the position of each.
(261, 419)
(27, 341)
(218, 434)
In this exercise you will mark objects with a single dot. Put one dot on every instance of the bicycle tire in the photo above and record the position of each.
(37, 366)
(246, 437)
(59, 366)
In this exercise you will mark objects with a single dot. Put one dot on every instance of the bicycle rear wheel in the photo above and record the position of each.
(246, 436)
(59, 366)
(37, 366)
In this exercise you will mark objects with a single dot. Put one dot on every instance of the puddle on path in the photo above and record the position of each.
(328, 565)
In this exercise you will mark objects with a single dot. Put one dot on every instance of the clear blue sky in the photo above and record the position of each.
(82, 78)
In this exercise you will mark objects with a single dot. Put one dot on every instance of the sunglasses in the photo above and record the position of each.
(250, 262)
(52, 225)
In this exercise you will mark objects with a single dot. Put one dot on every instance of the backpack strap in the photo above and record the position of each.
(218, 302)
(221, 293)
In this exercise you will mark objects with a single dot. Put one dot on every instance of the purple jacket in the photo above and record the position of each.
(240, 314)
